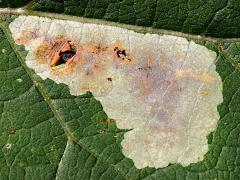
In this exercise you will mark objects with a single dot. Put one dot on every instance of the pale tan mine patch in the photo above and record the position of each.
(164, 88)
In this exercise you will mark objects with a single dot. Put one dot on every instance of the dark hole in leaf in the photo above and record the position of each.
(66, 55)
(120, 53)
(109, 79)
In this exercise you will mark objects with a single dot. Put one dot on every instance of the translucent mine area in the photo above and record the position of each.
(165, 88)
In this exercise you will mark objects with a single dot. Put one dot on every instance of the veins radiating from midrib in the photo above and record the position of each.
(47, 99)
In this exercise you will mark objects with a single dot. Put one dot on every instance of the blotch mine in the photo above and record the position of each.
(164, 88)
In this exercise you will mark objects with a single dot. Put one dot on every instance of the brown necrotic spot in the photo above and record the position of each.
(41, 53)
(61, 53)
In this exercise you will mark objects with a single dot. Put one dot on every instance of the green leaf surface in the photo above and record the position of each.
(218, 18)
(46, 133)
(14, 3)
(25, 121)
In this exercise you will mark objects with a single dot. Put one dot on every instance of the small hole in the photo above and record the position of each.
(65, 54)
(109, 79)
(120, 53)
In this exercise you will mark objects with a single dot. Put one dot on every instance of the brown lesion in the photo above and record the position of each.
(59, 53)
(41, 52)
(64, 54)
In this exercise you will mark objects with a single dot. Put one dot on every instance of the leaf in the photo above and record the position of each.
(92, 168)
(206, 17)
(25, 120)
(47, 133)
(13, 3)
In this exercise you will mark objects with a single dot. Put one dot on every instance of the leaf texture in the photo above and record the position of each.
(46, 133)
